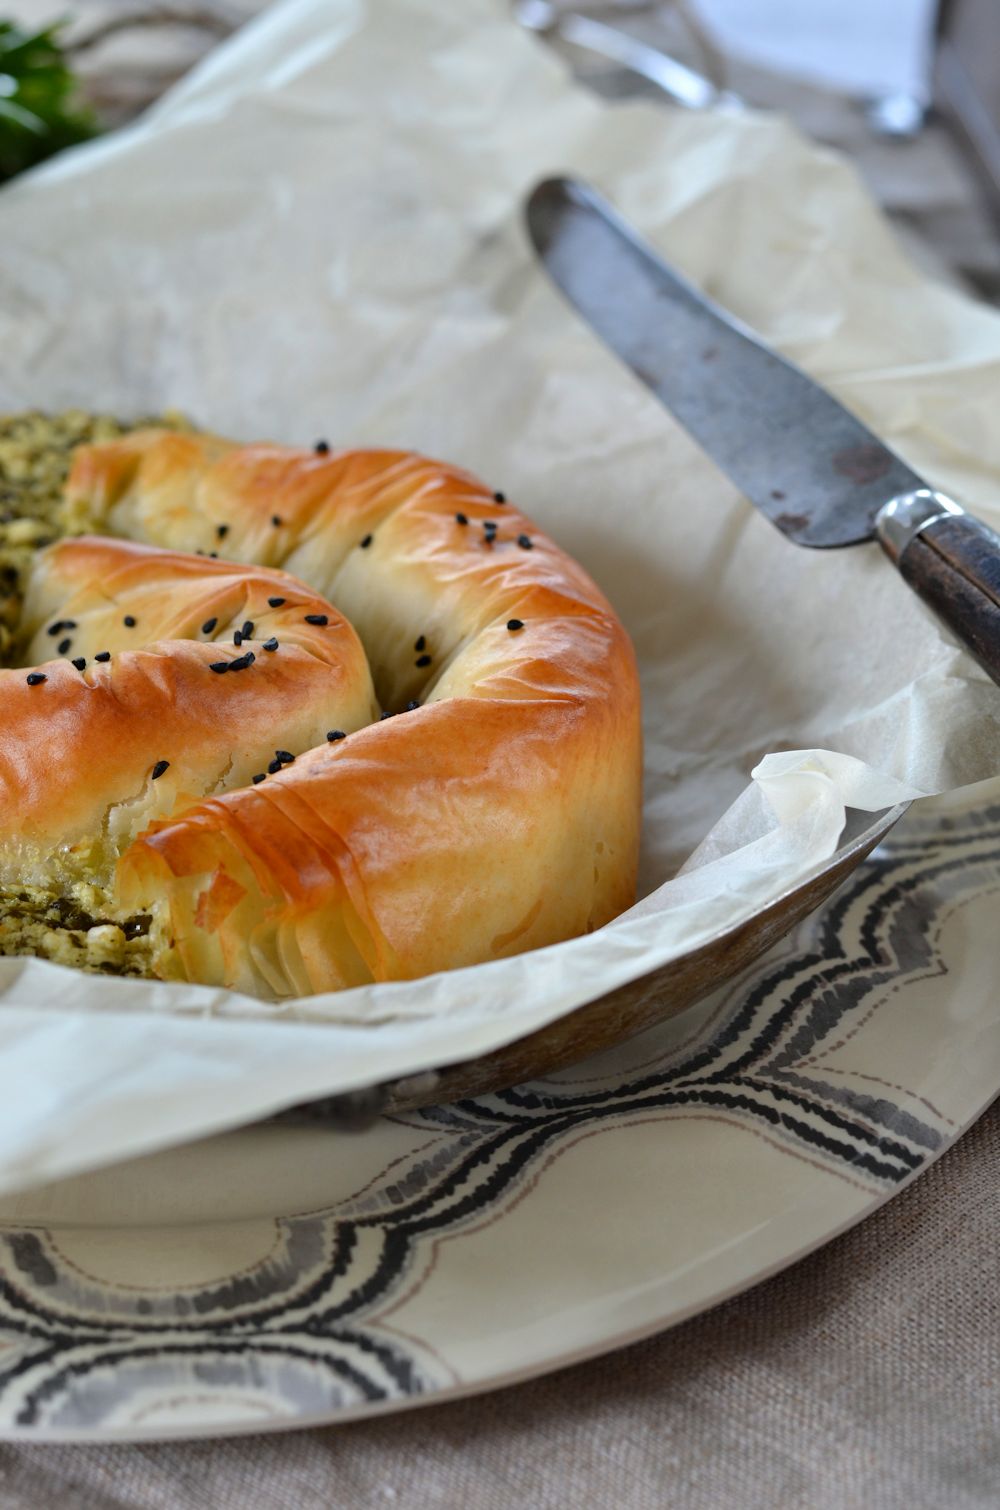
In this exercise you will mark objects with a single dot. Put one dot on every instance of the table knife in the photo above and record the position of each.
(809, 465)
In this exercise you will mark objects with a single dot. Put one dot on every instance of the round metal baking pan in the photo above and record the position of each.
(619, 1014)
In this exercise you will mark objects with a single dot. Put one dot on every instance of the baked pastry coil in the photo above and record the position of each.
(498, 815)
(150, 680)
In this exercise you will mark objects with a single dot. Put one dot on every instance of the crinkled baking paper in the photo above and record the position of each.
(318, 233)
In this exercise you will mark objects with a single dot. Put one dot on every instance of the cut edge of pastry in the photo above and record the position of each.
(76, 922)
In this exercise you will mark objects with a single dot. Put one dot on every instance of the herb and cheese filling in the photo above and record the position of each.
(59, 927)
(35, 455)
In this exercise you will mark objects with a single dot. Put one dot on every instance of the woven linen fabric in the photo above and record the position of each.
(863, 1378)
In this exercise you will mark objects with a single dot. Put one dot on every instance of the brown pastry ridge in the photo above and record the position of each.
(499, 815)
(137, 631)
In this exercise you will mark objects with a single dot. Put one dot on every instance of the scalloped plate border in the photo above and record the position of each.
(803, 1096)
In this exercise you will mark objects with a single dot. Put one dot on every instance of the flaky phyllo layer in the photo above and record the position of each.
(209, 772)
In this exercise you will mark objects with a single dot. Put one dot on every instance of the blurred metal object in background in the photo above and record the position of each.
(938, 184)
(899, 115)
(682, 85)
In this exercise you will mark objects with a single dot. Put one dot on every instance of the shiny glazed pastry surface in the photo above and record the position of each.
(136, 717)
(493, 807)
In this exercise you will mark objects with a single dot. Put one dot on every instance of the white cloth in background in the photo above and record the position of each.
(857, 46)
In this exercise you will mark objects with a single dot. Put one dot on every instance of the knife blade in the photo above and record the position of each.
(820, 475)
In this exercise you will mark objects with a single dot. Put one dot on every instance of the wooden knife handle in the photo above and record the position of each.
(953, 561)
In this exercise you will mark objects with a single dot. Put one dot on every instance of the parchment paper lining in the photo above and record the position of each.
(318, 234)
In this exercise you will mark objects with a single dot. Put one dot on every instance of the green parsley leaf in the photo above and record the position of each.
(39, 112)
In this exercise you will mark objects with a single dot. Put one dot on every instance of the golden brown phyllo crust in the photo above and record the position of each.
(442, 769)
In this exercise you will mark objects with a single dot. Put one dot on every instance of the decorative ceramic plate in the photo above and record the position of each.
(287, 1276)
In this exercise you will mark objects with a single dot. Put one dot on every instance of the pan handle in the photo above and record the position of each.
(952, 560)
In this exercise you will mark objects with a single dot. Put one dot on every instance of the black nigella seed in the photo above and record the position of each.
(275, 602)
(128, 621)
(317, 618)
(222, 530)
(159, 768)
(214, 555)
(489, 525)
(242, 661)
(335, 734)
(524, 541)
(423, 660)
(80, 663)
(413, 703)
(384, 716)
(499, 497)
(35, 677)
(64, 645)
(60, 625)
(514, 625)
(419, 644)
(285, 756)
(238, 638)
(259, 777)
(219, 666)
(274, 767)
(461, 518)
(322, 448)
(103, 655)
(276, 521)
(208, 626)
(366, 542)
(271, 644)
(247, 630)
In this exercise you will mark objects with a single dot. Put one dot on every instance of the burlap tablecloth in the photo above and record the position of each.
(864, 1378)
